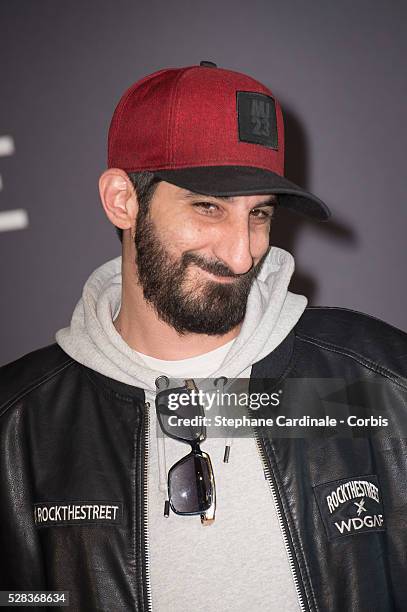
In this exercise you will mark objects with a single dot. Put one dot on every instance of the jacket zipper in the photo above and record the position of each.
(146, 559)
(270, 479)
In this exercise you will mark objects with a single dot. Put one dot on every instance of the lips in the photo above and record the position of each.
(218, 277)
(221, 279)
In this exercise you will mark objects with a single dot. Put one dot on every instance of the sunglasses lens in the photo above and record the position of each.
(190, 485)
(180, 418)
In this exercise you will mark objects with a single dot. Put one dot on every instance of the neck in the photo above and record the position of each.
(139, 326)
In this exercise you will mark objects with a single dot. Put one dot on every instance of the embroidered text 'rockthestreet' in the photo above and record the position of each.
(350, 490)
(50, 513)
(350, 506)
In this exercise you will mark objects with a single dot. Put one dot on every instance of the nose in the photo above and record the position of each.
(233, 246)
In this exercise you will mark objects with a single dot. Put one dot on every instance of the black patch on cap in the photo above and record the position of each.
(257, 119)
(350, 506)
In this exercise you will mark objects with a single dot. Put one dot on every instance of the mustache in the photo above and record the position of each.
(214, 267)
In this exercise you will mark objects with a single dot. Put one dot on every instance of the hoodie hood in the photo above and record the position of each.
(92, 340)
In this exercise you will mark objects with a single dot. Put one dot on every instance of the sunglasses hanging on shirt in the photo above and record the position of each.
(191, 481)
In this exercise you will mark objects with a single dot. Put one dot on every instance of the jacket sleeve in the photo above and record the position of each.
(21, 565)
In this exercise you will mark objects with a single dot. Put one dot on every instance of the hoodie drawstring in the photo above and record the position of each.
(220, 384)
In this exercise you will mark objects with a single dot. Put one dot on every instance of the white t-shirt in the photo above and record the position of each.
(239, 562)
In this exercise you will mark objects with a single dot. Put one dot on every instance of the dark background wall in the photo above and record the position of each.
(337, 67)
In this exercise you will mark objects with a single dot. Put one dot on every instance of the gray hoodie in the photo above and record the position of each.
(240, 562)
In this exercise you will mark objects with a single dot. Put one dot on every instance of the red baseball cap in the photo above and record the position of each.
(213, 131)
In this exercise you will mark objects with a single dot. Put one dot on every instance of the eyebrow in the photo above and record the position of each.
(272, 201)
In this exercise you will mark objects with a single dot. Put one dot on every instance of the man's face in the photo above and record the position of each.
(197, 256)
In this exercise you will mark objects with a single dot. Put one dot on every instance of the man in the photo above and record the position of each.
(99, 495)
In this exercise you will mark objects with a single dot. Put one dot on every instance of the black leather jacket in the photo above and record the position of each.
(73, 474)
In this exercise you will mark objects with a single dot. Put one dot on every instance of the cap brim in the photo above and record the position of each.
(245, 180)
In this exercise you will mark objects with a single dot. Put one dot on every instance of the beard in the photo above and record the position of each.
(199, 306)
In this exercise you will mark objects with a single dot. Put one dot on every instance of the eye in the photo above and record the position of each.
(207, 208)
(262, 214)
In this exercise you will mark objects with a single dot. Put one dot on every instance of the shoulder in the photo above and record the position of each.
(356, 334)
(30, 372)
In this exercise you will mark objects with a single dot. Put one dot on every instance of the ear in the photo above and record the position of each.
(118, 198)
